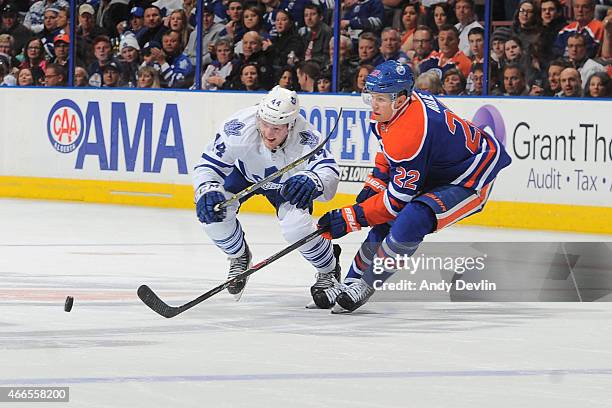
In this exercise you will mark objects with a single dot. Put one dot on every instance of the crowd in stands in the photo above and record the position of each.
(554, 48)
(538, 48)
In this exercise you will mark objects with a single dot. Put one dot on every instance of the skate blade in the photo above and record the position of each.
(311, 305)
(237, 296)
(337, 309)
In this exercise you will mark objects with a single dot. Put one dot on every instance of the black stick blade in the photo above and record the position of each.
(150, 299)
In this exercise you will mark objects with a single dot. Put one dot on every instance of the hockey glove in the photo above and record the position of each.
(372, 187)
(207, 197)
(339, 222)
(300, 190)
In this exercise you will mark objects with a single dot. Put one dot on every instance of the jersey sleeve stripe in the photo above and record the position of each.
(215, 161)
(215, 169)
(490, 168)
(473, 165)
(487, 160)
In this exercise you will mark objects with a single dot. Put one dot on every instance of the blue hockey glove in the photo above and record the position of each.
(207, 197)
(371, 187)
(300, 190)
(339, 222)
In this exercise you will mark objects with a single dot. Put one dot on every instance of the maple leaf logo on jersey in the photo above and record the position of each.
(308, 138)
(233, 127)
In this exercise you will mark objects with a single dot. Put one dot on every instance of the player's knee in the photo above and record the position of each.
(414, 222)
(296, 226)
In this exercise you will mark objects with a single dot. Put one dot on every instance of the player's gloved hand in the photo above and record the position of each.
(339, 222)
(301, 189)
(371, 187)
(207, 197)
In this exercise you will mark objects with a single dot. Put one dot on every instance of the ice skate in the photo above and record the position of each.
(353, 297)
(238, 266)
(327, 287)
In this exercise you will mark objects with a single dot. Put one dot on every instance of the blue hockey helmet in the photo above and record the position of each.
(390, 77)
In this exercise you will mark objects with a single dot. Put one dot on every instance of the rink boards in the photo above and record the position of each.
(138, 147)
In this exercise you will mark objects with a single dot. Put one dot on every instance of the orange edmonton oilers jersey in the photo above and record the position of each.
(426, 145)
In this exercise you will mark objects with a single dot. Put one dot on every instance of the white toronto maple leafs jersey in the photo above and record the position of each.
(238, 145)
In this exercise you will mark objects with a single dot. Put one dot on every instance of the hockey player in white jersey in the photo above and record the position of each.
(250, 145)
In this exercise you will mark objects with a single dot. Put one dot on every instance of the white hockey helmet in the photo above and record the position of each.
(280, 106)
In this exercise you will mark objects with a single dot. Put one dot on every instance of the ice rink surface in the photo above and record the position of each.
(266, 350)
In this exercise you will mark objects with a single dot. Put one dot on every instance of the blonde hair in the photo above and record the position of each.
(151, 71)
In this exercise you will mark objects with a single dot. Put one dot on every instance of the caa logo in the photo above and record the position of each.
(65, 126)
(488, 118)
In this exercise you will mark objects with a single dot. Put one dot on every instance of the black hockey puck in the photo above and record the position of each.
(68, 304)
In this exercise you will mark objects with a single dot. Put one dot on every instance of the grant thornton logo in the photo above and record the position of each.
(489, 119)
(65, 126)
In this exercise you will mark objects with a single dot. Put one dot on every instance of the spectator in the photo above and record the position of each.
(368, 50)
(234, 28)
(308, 74)
(324, 84)
(449, 55)
(464, 11)
(571, 84)
(249, 78)
(360, 77)
(216, 73)
(514, 53)
(346, 67)
(475, 81)
(536, 87)
(361, 15)
(63, 20)
(34, 57)
(130, 59)
(155, 28)
(553, 85)
(7, 46)
(390, 47)
(9, 24)
(423, 46)
(577, 56)
(86, 32)
(316, 35)
(26, 78)
(148, 77)
(584, 11)
(288, 79)
(103, 56)
(453, 82)
(498, 42)
(55, 75)
(6, 78)
(61, 47)
(112, 75)
(178, 22)
(429, 82)
(176, 70)
(606, 48)
(252, 53)
(598, 86)
(408, 25)
(476, 39)
(286, 43)
(552, 22)
(49, 31)
(114, 14)
(211, 31)
(34, 18)
(440, 14)
(252, 20)
(81, 78)
(527, 23)
(514, 80)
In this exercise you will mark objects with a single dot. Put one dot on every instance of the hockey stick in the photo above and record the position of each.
(150, 299)
(290, 166)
